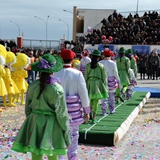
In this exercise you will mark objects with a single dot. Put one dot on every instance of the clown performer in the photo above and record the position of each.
(84, 61)
(77, 99)
(95, 77)
(10, 84)
(3, 90)
(123, 65)
(45, 131)
(19, 74)
(133, 82)
(133, 73)
(76, 64)
(113, 80)
(133, 65)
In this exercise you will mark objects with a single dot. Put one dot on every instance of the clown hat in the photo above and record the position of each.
(48, 64)
(67, 54)
(10, 58)
(2, 54)
(22, 61)
(129, 53)
(96, 53)
(2, 48)
(85, 53)
(108, 53)
(122, 50)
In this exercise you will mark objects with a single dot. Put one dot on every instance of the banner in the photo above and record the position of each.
(155, 48)
(101, 47)
(90, 48)
(147, 49)
(141, 49)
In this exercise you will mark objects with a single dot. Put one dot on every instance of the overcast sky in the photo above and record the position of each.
(23, 12)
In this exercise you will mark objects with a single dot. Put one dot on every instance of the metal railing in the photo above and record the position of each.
(140, 13)
(41, 44)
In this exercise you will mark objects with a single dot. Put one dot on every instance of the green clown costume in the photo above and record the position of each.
(45, 130)
(96, 83)
(123, 65)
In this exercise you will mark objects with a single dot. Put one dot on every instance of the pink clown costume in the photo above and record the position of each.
(84, 61)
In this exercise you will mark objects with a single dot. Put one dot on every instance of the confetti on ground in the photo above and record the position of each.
(141, 142)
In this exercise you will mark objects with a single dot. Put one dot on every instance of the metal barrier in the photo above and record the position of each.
(41, 44)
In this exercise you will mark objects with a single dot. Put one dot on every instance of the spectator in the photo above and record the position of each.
(131, 30)
(149, 71)
(155, 62)
(31, 73)
(142, 65)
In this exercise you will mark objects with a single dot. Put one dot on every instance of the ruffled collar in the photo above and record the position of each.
(52, 80)
(67, 66)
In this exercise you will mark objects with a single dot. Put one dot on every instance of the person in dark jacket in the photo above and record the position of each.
(142, 65)
(155, 62)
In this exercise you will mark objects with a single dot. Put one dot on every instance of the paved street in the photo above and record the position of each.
(142, 141)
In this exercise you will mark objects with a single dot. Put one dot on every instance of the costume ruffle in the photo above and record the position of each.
(39, 151)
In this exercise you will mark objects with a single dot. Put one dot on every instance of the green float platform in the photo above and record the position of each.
(112, 127)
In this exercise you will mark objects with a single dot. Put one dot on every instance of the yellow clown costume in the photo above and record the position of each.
(19, 73)
(76, 64)
(10, 84)
(3, 90)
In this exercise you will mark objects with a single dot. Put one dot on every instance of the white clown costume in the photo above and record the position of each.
(112, 79)
(77, 99)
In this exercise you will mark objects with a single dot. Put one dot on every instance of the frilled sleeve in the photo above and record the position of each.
(62, 115)
(134, 66)
(28, 110)
(128, 67)
(116, 73)
(25, 74)
(104, 75)
(2, 71)
(83, 93)
(86, 73)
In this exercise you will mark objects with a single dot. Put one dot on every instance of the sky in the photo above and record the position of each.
(23, 14)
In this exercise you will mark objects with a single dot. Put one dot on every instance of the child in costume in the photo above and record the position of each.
(133, 82)
(3, 90)
(123, 65)
(31, 74)
(112, 78)
(133, 64)
(19, 74)
(76, 64)
(133, 73)
(77, 100)
(95, 77)
(84, 61)
(46, 128)
(10, 84)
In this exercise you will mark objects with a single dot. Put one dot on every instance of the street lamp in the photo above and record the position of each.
(68, 11)
(67, 27)
(17, 26)
(0, 31)
(137, 6)
(46, 23)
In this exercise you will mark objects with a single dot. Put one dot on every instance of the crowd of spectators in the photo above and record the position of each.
(149, 66)
(32, 53)
(133, 29)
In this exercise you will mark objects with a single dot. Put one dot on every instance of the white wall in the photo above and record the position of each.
(92, 17)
